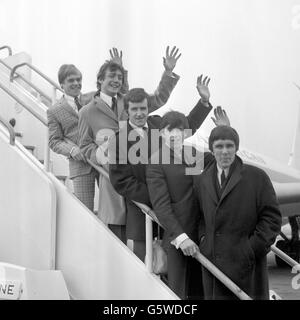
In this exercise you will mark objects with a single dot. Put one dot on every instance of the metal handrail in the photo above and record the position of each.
(285, 257)
(199, 257)
(33, 86)
(10, 93)
(12, 135)
(144, 208)
(8, 48)
(55, 85)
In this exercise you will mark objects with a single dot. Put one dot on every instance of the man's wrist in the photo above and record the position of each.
(205, 102)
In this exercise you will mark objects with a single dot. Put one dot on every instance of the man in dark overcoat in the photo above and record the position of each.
(127, 175)
(240, 219)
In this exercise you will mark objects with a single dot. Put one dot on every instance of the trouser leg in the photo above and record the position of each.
(119, 231)
(139, 249)
(84, 189)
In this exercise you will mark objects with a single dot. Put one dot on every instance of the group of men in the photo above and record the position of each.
(237, 219)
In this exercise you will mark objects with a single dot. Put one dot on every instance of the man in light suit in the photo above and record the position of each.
(63, 132)
(99, 120)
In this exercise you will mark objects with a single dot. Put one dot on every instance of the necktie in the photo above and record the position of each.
(78, 105)
(223, 178)
(114, 106)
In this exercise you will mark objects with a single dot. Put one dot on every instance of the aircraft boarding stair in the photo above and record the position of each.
(43, 226)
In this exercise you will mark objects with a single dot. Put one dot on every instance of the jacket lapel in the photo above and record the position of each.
(101, 105)
(233, 179)
(67, 107)
(208, 181)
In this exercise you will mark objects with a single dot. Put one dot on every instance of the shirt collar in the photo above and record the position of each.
(70, 99)
(106, 98)
(136, 127)
(220, 171)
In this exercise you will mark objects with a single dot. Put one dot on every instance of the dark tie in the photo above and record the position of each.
(223, 178)
(76, 100)
(114, 106)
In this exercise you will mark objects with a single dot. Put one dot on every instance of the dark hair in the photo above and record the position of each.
(174, 119)
(66, 70)
(136, 95)
(223, 133)
(111, 66)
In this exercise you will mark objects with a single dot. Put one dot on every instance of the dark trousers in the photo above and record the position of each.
(119, 231)
(184, 275)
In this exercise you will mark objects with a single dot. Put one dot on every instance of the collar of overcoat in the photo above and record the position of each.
(209, 181)
(105, 108)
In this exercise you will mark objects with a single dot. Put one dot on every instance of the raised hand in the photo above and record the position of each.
(202, 87)
(221, 118)
(170, 59)
(115, 56)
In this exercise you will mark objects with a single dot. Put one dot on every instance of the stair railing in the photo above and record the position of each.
(11, 131)
(8, 48)
(151, 216)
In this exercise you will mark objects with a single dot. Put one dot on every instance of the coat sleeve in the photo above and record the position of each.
(162, 93)
(56, 136)
(201, 225)
(197, 116)
(160, 199)
(269, 218)
(87, 144)
(122, 176)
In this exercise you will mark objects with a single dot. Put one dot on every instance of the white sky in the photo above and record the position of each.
(250, 49)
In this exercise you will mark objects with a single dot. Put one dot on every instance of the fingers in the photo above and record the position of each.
(173, 54)
(167, 52)
(203, 82)
(214, 120)
(114, 53)
(190, 250)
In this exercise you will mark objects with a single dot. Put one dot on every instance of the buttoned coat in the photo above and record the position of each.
(129, 179)
(97, 123)
(237, 230)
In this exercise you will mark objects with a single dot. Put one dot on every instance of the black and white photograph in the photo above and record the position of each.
(150, 151)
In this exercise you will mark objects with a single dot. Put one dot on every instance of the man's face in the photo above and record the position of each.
(138, 112)
(174, 138)
(112, 82)
(72, 85)
(224, 152)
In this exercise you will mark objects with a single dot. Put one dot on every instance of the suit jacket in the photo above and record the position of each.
(129, 179)
(97, 123)
(238, 229)
(63, 132)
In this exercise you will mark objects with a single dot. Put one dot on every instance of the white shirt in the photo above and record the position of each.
(71, 102)
(139, 130)
(106, 98)
(220, 172)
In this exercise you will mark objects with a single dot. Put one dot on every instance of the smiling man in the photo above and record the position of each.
(100, 119)
(63, 132)
(133, 145)
(240, 219)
